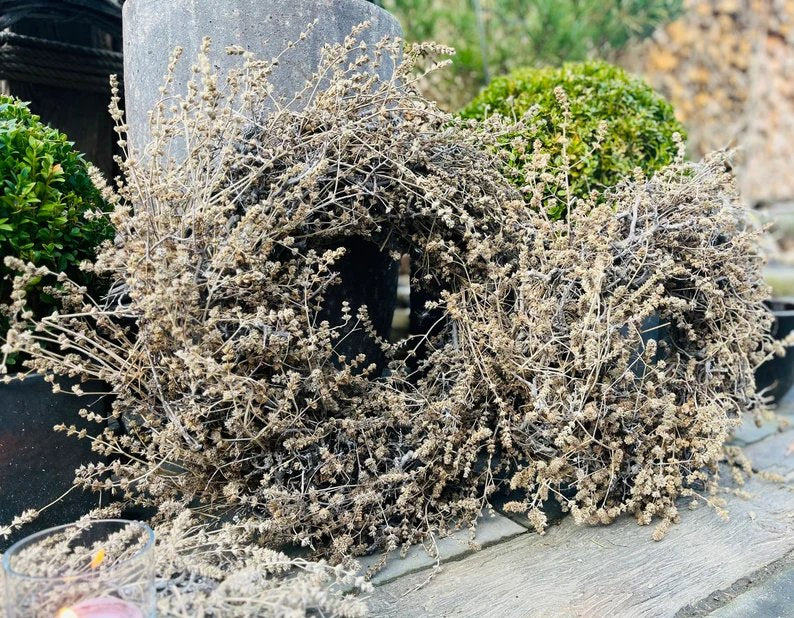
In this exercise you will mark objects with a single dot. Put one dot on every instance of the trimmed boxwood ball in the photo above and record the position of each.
(50, 211)
(638, 124)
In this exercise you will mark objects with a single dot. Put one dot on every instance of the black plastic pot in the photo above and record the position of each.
(777, 374)
(37, 464)
(367, 276)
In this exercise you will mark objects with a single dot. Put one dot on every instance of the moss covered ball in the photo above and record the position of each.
(636, 125)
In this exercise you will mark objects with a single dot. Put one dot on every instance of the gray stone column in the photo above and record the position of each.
(154, 28)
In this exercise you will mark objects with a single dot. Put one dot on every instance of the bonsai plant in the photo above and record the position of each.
(51, 215)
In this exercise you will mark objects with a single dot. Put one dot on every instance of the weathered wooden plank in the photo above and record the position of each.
(491, 529)
(615, 570)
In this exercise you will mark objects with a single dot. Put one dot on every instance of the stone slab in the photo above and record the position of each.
(774, 598)
(775, 454)
(750, 433)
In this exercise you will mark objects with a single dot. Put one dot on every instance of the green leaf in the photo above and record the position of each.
(44, 191)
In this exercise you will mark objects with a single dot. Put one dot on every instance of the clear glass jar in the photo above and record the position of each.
(97, 569)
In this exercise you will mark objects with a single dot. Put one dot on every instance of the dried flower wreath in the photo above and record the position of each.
(602, 360)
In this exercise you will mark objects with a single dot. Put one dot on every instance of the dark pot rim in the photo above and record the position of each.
(781, 306)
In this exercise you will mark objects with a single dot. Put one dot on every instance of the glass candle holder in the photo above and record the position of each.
(96, 569)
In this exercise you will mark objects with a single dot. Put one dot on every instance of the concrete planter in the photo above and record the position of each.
(37, 464)
(153, 28)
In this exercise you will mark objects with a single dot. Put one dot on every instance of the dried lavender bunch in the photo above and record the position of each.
(618, 354)
(213, 571)
(223, 571)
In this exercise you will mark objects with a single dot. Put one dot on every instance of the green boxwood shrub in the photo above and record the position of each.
(640, 124)
(45, 194)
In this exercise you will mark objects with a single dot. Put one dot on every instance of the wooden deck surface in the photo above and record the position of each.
(616, 570)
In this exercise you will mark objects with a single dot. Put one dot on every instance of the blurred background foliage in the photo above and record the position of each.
(493, 37)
